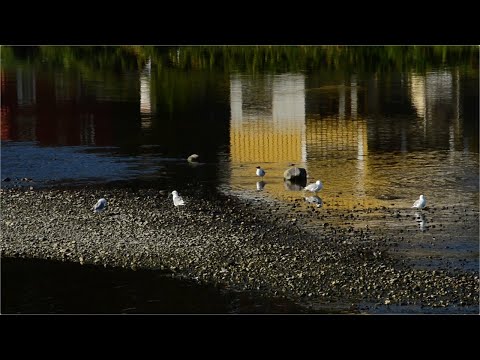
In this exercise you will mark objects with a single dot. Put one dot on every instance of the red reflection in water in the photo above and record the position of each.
(6, 118)
(30, 111)
(6, 125)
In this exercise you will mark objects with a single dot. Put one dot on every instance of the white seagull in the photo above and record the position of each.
(317, 186)
(100, 205)
(177, 199)
(260, 172)
(193, 158)
(420, 203)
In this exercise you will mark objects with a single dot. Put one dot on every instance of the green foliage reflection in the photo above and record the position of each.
(249, 59)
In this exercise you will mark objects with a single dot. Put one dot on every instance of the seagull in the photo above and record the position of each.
(317, 186)
(177, 199)
(420, 203)
(260, 172)
(193, 158)
(100, 205)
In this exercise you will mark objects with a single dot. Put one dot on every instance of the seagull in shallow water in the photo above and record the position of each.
(177, 199)
(193, 158)
(317, 186)
(100, 205)
(260, 172)
(420, 203)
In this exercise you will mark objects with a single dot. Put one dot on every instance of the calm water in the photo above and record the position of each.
(369, 136)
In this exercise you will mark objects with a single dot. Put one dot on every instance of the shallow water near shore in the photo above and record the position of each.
(377, 140)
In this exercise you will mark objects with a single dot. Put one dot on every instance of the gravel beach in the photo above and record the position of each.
(232, 243)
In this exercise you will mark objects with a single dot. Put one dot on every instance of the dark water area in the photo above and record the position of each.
(378, 126)
(32, 286)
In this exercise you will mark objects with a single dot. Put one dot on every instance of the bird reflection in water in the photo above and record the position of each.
(421, 219)
(260, 185)
(314, 200)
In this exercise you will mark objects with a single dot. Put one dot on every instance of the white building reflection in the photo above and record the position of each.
(145, 96)
(270, 126)
(288, 109)
(353, 97)
(268, 119)
(436, 98)
(417, 91)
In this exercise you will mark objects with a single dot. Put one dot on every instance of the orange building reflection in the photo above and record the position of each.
(361, 160)
(270, 127)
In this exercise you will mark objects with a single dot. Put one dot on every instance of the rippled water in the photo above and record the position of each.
(375, 140)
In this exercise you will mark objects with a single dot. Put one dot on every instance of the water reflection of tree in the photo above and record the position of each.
(184, 78)
(250, 59)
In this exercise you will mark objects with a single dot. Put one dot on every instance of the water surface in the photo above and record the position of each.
(376, 138)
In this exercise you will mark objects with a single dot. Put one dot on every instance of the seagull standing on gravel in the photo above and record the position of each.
(100, 205)
(177, 199)
(260, 172)
(420, 203)
(317, 186)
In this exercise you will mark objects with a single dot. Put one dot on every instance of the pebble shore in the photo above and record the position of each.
(219, 239)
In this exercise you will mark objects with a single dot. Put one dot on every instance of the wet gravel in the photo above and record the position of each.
(233, 243)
